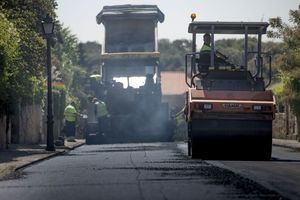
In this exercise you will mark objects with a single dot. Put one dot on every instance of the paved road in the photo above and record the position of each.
(281, 174)
(132, 171)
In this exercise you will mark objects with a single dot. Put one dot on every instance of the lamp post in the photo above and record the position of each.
(48, 27)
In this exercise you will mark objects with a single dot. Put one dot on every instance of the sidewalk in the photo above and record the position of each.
(19, 156)
(294, 144)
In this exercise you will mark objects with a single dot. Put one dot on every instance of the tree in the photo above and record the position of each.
(234, 49)
(289, 62)
(173, 53)
(9, 68)
(89, 55)
(27, 70)
(66, 57)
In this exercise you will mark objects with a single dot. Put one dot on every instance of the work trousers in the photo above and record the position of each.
(101, 121)
(70, 129)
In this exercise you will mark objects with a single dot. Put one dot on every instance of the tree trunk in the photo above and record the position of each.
(287, 119)
(7, 140)
(2, 132)
(15, 125)
(297, 131)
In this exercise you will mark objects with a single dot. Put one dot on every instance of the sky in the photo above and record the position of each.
(80, 15)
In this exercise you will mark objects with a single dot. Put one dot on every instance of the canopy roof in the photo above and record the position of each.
(130, 11)
(228, 27)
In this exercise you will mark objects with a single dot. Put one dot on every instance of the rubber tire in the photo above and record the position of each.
(189, 146)
(88, 139)
(195, 152)
(266, 152)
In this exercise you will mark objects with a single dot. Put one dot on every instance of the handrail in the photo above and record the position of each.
(186, 79)
(194, 76)
(193, 69)
(270, 72)
(266, 54)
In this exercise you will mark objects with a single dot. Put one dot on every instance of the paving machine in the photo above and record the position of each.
(229, 111)
(130, 56)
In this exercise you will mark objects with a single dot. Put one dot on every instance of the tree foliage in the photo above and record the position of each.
(65, 59)
(9, 51)
(90, 55)
(234, 49)
(23, 60)
(289, 62)
(172, 54)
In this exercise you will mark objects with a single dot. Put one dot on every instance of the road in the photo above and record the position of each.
(140, 171)
(282, 173)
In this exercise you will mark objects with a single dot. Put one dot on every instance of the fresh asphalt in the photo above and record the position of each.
(131, 171)
(282, 173)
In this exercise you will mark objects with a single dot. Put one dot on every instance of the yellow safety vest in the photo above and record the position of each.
(205, 48)
(101, 109)
(97, 77)
(70, 113)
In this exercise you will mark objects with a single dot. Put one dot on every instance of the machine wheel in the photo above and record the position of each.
(267, 154)
(266, 150)
(262, 149)
(189, 144)
(189, 148)
(88, 139)
(195, 151)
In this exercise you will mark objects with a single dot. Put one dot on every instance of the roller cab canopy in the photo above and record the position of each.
(263, 59)
(228, 27)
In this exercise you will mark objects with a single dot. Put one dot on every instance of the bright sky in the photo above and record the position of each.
(80, 15)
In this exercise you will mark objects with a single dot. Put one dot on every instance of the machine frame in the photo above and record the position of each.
(221, 105)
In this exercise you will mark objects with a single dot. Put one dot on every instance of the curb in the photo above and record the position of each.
(287, 146)
(67, 149)
(75, 146)
(282, 144)
(40, 160)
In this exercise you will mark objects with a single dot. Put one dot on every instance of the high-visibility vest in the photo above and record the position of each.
(205, 48)
(70, 113)
(101, 109)
(97, 77)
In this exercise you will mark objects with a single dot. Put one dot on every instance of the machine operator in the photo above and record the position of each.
(204, 60)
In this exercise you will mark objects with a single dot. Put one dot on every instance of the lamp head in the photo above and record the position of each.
(48, 25)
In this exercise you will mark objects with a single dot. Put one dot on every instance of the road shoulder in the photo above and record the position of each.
(21, 156)
(293, 144)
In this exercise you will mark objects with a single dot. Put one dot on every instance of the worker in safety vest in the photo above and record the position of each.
(91, 109)
(101, 113)
(220, 59)
(206, 43)
(70, 114)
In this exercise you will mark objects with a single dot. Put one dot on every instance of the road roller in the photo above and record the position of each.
(228, 108)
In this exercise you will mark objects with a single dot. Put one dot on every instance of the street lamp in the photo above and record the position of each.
(48, 27)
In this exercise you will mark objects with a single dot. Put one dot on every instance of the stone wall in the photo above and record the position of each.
(30, 125)
(2, 132)
(5, 132)
(284, 127)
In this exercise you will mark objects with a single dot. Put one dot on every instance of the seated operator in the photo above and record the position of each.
(204, 60)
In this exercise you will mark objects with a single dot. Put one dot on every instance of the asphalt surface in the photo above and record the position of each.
(281, 174)
(131, 171)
